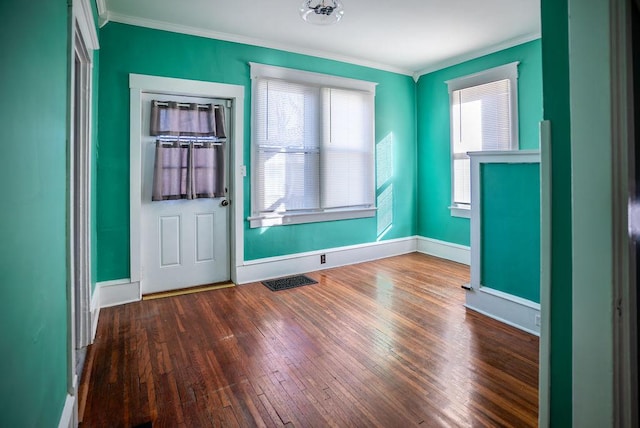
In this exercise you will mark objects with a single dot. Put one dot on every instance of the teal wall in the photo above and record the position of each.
(434, 164)
(510, 228)
(33, 276)
(555, 72)
(33, 305)
(127, 49)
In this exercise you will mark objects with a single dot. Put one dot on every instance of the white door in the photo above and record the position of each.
(184, 242)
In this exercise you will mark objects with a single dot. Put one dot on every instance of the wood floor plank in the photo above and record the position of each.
(386, 343)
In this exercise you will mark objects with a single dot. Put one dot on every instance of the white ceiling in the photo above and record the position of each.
(405, 36)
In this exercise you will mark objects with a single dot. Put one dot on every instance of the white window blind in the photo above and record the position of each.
(313, 147)
(483, 117)
(287, 146)
(347, 149)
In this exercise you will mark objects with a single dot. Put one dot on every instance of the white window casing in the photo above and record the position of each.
(312, 147)
(483, 116)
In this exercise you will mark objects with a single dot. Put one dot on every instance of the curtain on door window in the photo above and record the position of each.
(188, 167)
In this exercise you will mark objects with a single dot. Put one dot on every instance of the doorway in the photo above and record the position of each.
(625, 54)
(84, 41)
(632, 294)
(80, 197)
(233, 95)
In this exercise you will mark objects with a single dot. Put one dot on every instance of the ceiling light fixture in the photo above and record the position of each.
(321, 12)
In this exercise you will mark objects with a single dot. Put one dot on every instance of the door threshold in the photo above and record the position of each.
(189, 290)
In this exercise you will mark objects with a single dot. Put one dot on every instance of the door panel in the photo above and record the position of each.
(169, 241)
(205, 238)
(184, 243)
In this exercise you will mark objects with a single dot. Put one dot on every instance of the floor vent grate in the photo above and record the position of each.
(288, 282)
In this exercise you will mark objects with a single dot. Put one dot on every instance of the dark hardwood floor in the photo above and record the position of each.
(385, 343)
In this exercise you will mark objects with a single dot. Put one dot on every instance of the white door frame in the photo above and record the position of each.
(625, 346)
(599, 132)
(80, 183)
(140, 84)
(83, 41)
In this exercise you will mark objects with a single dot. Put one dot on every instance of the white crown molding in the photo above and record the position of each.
(200, 32)
(477, 54)
(102, 7)
(103, 13)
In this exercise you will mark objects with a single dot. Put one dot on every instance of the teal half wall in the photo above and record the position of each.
(128, 49)
(33, 262)
(510, 228)
(434, 145)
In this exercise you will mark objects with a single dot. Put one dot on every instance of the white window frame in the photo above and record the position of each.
(506, 71)
(260, 219)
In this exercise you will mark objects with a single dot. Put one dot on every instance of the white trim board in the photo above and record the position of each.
(273, 267)
(84, 15)
(509, 309)
(83, 40)
(118, 292)
(514, 311)
(103, 13)
(444, 250)
(545, 274)
(95, 311)
(69, 416)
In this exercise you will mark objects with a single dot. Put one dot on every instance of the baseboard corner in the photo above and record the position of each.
(445, 250)
(118, 292)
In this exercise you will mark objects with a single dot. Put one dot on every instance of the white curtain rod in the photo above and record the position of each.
(203, 106)
(191, 142)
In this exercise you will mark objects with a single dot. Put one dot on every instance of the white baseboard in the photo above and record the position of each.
(273, 267)
(503, 307)
(95, 311)
(118, 292)
(506, 308)
(111, 293)
(69, 417)
(445, 250)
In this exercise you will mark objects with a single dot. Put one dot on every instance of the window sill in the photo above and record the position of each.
(460, 211)
(269, 220)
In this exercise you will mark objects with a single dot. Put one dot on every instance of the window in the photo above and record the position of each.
(484, 116)
(313, 147)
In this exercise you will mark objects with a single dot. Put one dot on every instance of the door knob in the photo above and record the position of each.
(224, 202)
